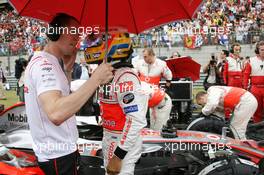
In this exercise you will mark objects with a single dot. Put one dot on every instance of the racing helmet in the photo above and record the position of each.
(119, 48)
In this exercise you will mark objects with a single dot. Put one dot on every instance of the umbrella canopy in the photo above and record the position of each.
(133, 16)
(183, 67)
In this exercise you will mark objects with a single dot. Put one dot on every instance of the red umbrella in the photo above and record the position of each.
(134, 16)
(184, 67)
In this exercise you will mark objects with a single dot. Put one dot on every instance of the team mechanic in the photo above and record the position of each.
(254, 73)
(160, 105)
(49, 105)
(223, 100)
(232, 73)
(151, 69)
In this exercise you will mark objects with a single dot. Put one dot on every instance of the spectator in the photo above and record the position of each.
(20, 85)
(23, 35)
(212, 77)
(175, 54)
(221, 64)
(2, 80)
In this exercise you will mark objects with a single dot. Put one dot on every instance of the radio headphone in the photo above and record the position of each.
(258, 45)
(233, 46)
(55, 26)
(53, 32)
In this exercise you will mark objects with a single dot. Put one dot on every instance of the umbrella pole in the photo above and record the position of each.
(106, 31)
(159, 41)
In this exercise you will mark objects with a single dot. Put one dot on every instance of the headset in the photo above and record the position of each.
(53, 32)
(55, 26)
(226, 52)
(233, 46)
(260, 43)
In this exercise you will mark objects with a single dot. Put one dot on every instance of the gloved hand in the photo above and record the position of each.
(114, 166)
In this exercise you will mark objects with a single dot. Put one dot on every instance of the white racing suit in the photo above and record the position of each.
(160, 113)
(224, 99)
(123, 110)
(160, 105)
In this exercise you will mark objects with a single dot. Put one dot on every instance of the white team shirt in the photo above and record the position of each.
(257, 68)
(215, 100)
(43, 74)
(158, 68)
(234, 65)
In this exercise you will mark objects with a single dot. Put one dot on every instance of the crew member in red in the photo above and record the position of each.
(232, 73)
(220, 100)
(160, 105)
(151, 69)
(254, 73)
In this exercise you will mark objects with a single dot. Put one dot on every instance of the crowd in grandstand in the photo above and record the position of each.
(19, 33)
(218, 22)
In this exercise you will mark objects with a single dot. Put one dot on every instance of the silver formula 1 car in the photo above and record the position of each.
(171, 151)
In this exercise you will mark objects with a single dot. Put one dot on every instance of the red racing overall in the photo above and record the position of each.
(153, 73)
(232, 73)
(254, 72)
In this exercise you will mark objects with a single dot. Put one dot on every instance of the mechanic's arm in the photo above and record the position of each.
(213, 99)
(225, 73)
(59, 108)
(246, 75)
(167, 74)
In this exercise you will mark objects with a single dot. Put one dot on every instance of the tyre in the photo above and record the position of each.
(209, 124)
(231, 167)
(91, 165)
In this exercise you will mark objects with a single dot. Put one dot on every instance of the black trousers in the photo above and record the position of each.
(65, 165)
